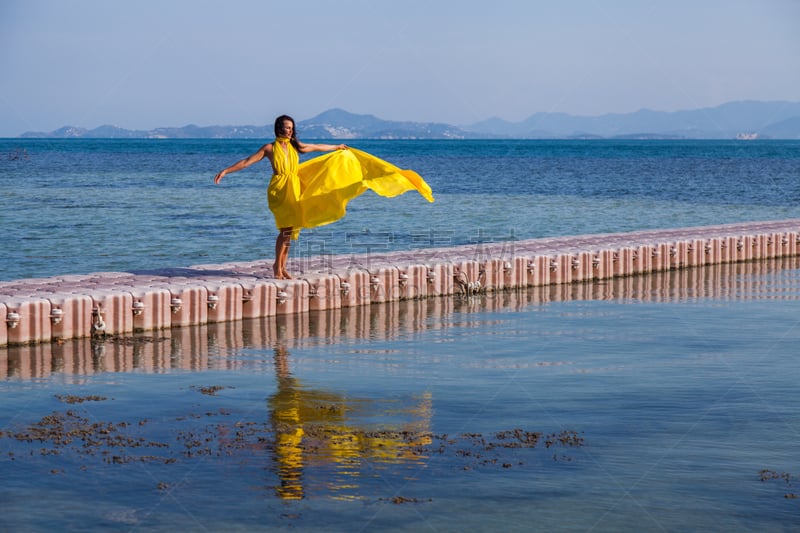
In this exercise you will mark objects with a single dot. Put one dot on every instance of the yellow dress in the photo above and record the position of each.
(316, 192)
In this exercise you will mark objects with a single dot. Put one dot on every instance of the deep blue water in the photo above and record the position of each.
(78, 206)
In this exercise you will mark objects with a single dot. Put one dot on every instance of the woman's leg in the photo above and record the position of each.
(282, 244)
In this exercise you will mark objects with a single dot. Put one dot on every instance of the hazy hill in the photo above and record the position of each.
(777, 120)
(339, 124)
(785, 129)
(722, 122)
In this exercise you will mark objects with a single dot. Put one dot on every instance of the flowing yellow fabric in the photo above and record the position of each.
(317, 191)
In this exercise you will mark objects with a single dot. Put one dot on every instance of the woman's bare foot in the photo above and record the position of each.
(277, 272)
(286, 275)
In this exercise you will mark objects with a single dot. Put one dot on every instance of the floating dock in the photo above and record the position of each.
(121, 303)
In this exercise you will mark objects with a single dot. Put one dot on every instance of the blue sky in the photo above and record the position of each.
(151, 63)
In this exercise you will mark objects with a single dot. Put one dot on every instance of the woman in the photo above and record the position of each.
(316, 192)
(282, 155)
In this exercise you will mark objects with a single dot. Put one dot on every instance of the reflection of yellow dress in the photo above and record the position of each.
(315, 428)
(316, 192)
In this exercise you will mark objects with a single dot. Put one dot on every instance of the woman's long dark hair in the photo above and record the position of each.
(279, 130)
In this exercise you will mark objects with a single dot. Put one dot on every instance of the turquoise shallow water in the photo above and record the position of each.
(83, 205)
(655, 403)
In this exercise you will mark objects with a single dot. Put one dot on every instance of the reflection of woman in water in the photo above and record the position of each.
(313, 427)
(285, 413)
(291, 408)
(316, 192)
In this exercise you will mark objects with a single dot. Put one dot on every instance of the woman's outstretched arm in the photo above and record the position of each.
(264, 151)
(305, 148)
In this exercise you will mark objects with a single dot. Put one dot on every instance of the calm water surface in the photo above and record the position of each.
(83, 205)
(654, 403)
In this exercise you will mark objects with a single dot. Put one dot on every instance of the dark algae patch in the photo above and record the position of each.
(72, 399)
(210, 390)
(75, 443)
(69, 432)
(784, 479)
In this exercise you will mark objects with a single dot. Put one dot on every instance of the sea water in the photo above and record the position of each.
(652, 403)
(657, 403)
(79, 206)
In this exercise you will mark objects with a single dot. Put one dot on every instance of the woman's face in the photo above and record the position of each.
(287, 128)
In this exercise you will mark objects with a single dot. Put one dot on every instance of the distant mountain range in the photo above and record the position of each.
(744, 120)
